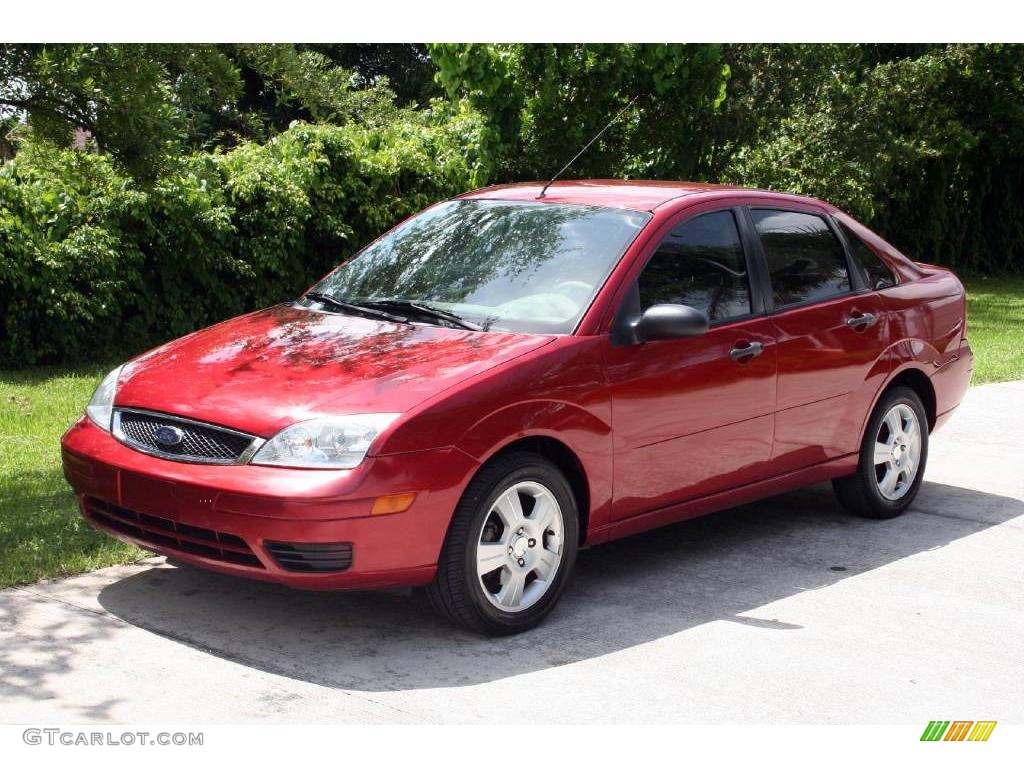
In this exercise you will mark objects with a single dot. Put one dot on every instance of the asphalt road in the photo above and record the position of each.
(783, 611)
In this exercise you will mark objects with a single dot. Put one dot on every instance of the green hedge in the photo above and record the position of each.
(95, 265)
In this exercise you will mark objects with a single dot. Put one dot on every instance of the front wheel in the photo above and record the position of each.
(510, 547)
(893, 455)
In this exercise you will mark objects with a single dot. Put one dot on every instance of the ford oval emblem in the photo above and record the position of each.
(168, 437)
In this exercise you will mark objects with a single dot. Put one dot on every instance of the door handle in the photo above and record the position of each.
(858, 322)
(745, 351)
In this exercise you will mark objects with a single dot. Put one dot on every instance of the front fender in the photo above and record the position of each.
(580, 430)
(584, 434)
(557, 392)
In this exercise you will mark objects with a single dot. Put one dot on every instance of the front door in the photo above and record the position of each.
(693, 416)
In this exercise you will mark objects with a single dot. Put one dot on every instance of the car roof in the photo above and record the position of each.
(633, 195)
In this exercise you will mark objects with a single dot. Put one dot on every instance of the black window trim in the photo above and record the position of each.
(771, 308)
(756, 275)
(852, 260)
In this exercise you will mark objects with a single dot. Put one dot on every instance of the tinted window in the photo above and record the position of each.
(876, 275)
(805, 260)
(700, 264)
(520, 266)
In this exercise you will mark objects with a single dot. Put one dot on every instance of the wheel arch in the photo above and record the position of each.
(916, 380)
(563, 457)
(577, 439)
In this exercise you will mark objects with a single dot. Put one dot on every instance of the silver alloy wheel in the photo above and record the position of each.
(520, 546)
(897, 454)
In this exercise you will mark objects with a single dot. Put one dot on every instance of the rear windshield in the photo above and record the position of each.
(515, 266)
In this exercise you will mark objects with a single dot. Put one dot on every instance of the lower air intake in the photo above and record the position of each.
(311, 558)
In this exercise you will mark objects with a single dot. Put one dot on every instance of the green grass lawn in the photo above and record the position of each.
(41, 533)
(995, 327)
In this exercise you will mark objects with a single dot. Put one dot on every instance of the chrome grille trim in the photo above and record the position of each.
(255, 443)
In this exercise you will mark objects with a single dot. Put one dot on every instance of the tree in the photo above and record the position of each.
(117, 93)
(143, 104)
(405, 67)
(543, 102)
(287, 83)
(924, 142)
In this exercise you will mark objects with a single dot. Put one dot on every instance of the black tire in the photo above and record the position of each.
(859, 493)
(456, 592)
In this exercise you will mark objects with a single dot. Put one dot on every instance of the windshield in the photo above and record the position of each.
(515, 266)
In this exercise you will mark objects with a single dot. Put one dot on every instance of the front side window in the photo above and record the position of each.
(700, 264)
(805, 260)
(875, 273)
(502, 265)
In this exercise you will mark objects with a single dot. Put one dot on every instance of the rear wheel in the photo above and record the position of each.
(893, 455)
(510, 548)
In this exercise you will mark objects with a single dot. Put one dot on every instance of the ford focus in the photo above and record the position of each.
(512, 375)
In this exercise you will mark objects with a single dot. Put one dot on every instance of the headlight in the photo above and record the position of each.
(101, 407)
(340, 442)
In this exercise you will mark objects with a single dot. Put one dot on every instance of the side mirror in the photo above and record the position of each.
(670, 321)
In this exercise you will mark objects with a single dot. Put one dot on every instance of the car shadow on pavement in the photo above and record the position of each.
(626, 593)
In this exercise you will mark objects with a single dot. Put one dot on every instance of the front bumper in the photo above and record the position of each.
(224, 517)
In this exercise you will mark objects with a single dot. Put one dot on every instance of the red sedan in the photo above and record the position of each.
(507, 377)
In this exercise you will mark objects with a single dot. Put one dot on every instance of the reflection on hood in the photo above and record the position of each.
(260, 372)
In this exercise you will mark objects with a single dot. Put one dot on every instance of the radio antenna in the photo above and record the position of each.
(619, 114)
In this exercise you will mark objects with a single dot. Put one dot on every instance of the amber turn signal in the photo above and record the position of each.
(390, 505)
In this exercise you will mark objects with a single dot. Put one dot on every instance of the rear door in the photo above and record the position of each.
(830, 330)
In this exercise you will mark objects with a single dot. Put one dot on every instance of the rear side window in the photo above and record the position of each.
(700, 264)
(874, 271)
(805, 260)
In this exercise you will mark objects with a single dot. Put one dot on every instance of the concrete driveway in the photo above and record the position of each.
(784, 611)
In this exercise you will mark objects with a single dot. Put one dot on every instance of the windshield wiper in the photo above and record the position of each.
(354, 309)
(425, 310)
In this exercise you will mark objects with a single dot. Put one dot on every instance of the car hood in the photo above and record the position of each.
(261, 372)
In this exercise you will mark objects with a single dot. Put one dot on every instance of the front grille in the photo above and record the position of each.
(168, 534)
(311, 558)
(200, 443)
